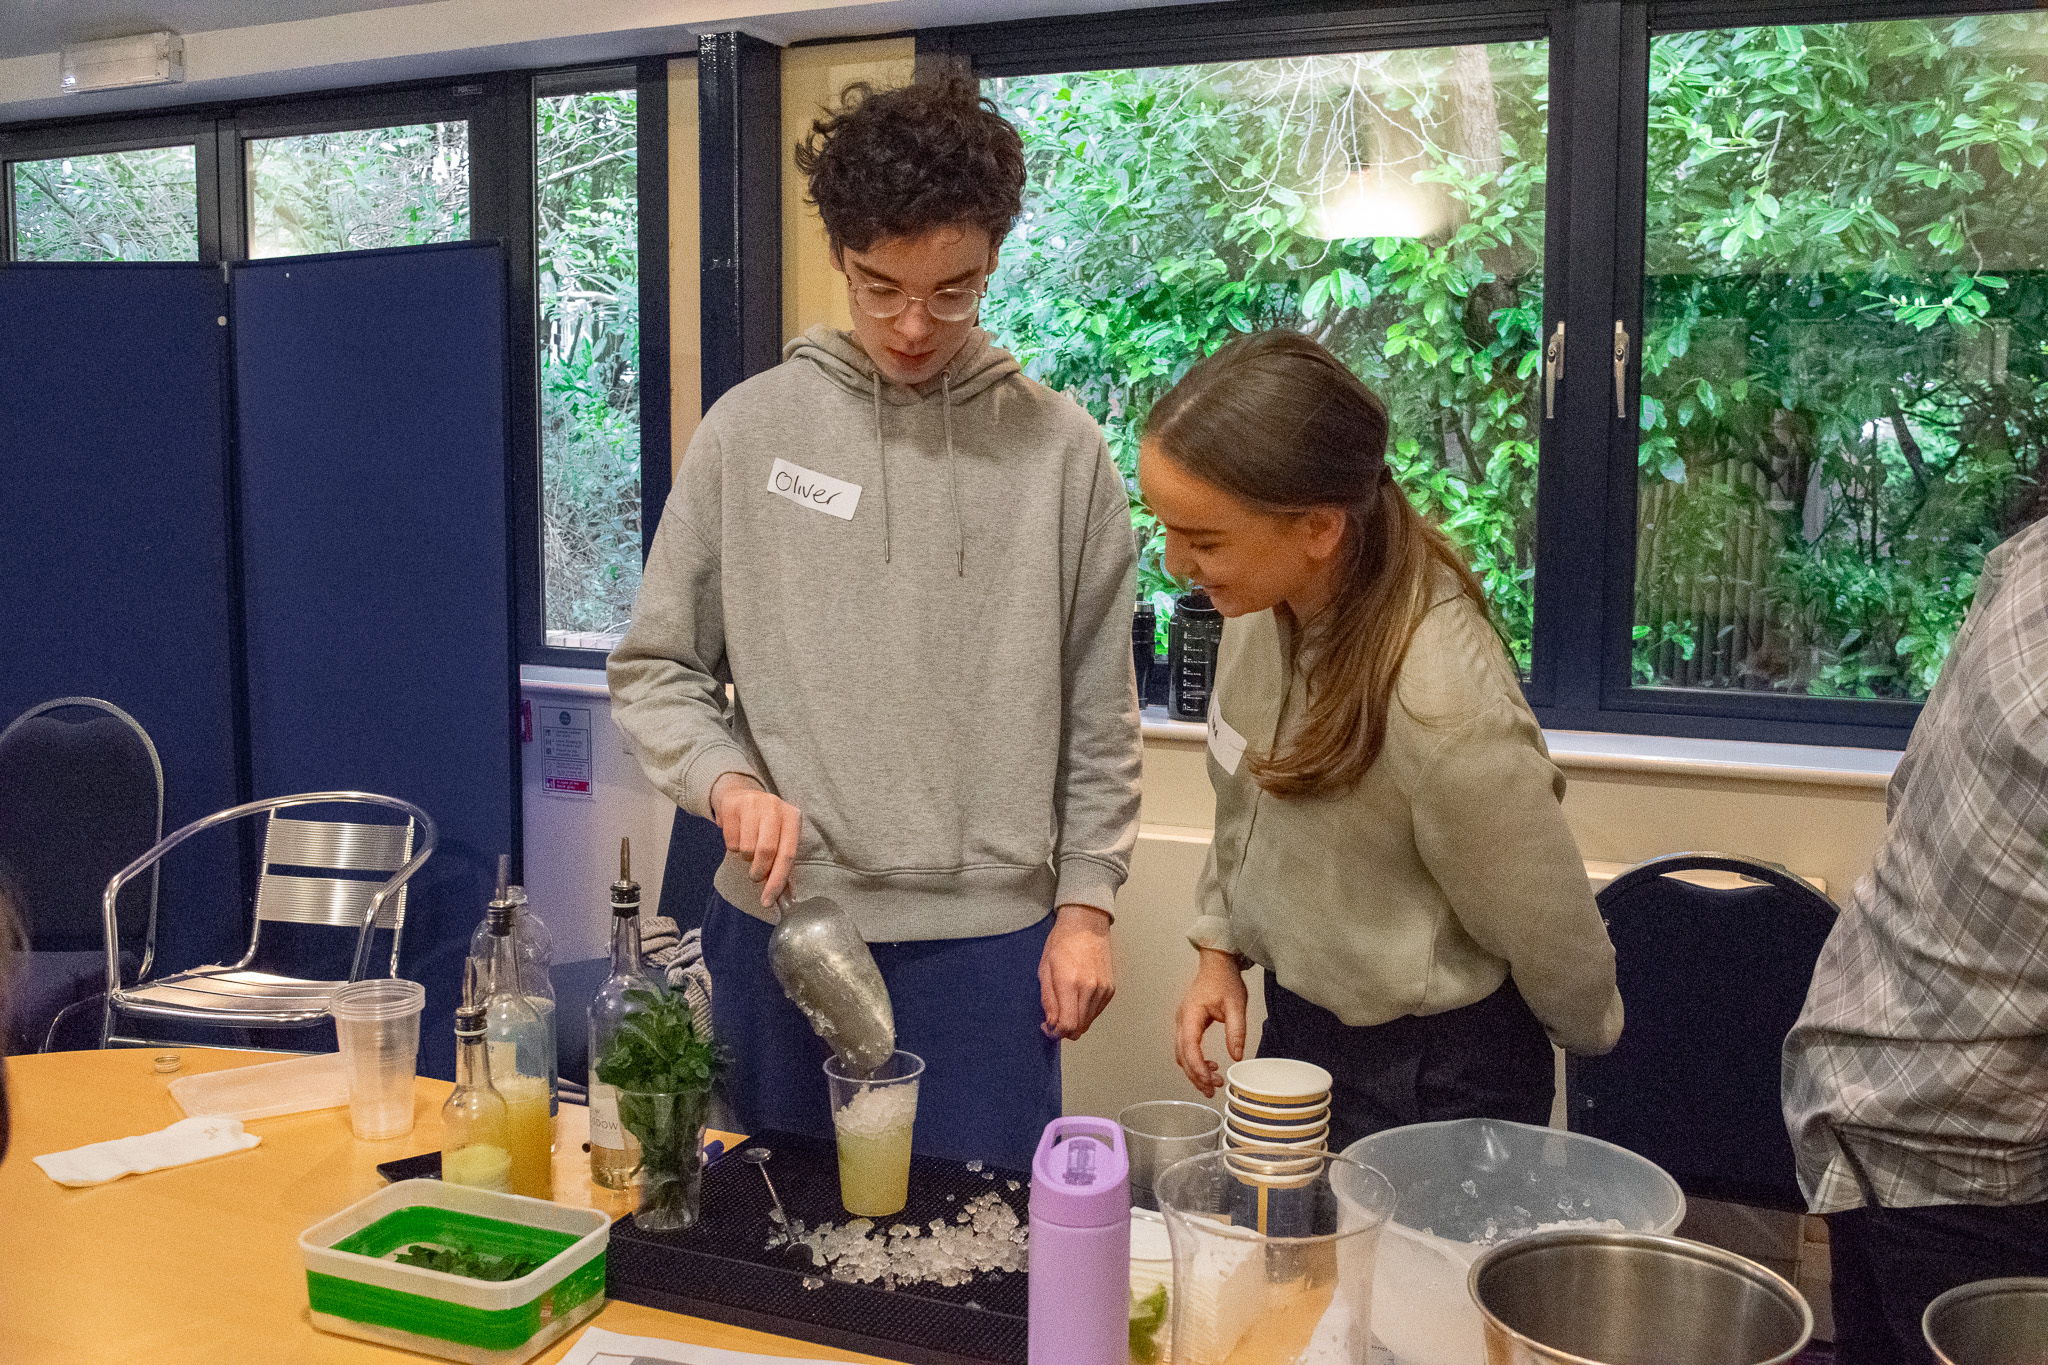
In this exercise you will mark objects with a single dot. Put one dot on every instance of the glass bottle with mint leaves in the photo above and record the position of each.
(614, 1152)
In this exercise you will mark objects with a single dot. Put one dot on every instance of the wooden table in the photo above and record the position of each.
(201, 1263)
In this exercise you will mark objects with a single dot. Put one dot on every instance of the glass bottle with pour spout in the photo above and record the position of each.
(474, 1147)
(536, 951)
(521, 1054)
(614, 1153)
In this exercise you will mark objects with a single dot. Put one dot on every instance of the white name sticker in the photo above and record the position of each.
(1226, 745)
(819, 492)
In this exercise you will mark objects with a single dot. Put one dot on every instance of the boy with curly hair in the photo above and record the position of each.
(915, 567)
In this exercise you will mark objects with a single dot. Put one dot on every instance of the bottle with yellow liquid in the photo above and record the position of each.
(518, 1043)
(473, 1140)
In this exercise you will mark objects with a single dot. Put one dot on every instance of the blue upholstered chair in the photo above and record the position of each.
(81, 796)
(1712, 977)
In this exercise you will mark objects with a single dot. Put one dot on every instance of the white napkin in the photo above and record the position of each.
(185, 1141)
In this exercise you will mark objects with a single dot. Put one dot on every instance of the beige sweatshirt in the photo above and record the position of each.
(1448, 867)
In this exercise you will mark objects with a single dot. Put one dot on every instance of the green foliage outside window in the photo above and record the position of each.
(590, 360)
(1845, 374)
(1168, 208)
(115, 206)
(355, 190)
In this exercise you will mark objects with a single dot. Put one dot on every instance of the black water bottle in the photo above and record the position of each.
(1144, 630)
(1193, 639)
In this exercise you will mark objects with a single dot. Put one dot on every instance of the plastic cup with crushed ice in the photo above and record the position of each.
(873, 1116)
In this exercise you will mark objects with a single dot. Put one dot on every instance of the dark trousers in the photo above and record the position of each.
(1488, 1059)
(969, 1007)
(1887, 1265)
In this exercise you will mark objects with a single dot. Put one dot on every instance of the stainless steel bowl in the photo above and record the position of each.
(1990, 1322)
(1628, 1298)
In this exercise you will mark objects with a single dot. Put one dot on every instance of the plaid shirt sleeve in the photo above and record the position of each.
(1923, 1046)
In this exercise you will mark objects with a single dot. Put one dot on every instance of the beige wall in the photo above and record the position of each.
(1825, 832)
(812, 77)
(685, 275)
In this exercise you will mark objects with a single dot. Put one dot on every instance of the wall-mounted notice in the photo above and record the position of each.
(565, 751)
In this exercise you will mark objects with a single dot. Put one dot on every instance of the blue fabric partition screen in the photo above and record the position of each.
(370, 411)
(115, 546)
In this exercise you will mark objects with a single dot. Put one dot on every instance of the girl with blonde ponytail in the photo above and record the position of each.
(1388, 840)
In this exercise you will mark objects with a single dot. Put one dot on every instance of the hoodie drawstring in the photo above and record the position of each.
(881, 454)
(953, 467)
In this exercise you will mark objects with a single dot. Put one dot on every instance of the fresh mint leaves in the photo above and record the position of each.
(467, 1261)
(658, 1048)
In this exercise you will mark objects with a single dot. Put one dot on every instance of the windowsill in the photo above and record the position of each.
(1750, 760)
(1598, 874)
(570, 682)
(1573, 750)
(1590, 751)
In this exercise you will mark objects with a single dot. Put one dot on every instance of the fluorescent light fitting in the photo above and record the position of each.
(115, 63)
(1374, 202)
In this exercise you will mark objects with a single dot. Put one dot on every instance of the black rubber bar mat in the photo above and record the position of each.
(722, 1268)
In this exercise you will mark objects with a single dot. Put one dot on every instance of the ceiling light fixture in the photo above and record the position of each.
(116, 63)
(1373, 201)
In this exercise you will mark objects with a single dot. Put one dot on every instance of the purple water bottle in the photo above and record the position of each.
(1081, 1245)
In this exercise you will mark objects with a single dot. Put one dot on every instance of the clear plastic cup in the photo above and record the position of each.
(1158, 1133)
(378, 1026)
(873, 1116)
(1277, 1267)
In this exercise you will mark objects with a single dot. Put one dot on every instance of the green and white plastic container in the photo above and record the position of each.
(355, 1289)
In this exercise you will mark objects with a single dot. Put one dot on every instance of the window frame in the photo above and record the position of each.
(1580, 678)
(649, 77)
(469, 101)
(49, 142)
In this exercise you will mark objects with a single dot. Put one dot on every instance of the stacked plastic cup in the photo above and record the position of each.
(378, 1026)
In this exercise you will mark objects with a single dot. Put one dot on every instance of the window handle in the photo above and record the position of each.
(1553, 370)
(1620, 369)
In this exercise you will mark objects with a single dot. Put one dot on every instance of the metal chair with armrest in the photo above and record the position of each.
(1713, 978)
(296, 887)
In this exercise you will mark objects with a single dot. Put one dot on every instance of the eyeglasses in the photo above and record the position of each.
(956, 304)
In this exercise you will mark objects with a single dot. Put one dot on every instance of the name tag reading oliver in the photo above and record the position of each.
(819, 492)
(1226, 745)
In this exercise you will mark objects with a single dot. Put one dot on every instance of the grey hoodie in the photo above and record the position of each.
(923, 602)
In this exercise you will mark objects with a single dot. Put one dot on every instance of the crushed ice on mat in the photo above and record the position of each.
(983, 1236)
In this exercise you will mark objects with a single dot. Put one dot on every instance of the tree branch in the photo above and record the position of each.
(620, 154)
(1908, 445)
